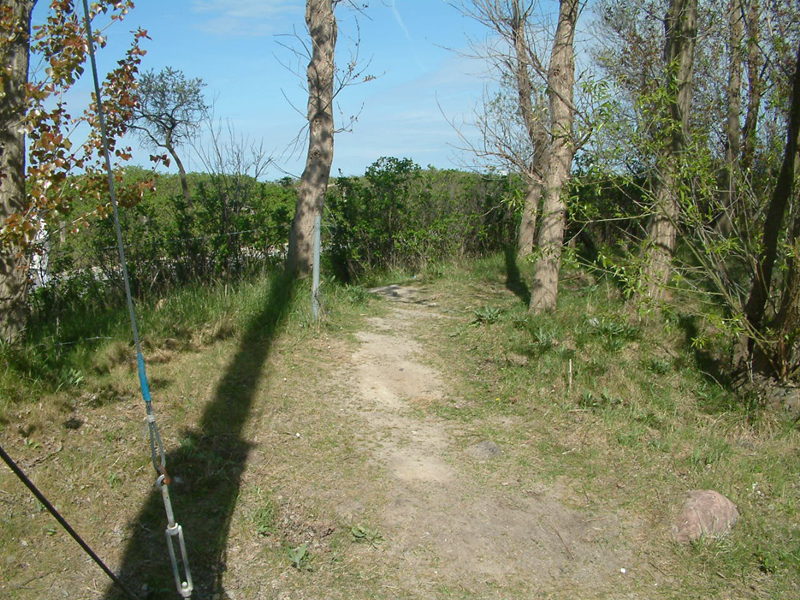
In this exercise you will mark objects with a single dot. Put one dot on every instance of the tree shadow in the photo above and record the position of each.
(206, 471)
(712, 368)
(514, 281)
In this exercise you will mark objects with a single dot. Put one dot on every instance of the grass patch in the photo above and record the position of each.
(623, 407)
(610, 408)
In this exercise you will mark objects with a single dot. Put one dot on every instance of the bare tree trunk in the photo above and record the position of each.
(762, 280)
(527, 225)
(681, 36)
(181, 171)
(560, 83)
(733, 126)
(537, 133)
(14, 56)
(321, 24)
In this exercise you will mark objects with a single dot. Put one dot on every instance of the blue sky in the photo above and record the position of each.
(414, 47)
(234, 46)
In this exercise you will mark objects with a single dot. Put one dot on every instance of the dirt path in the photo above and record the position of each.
(441, 525)
(359, 442)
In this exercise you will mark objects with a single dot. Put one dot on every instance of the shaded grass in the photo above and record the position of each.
(82, 346)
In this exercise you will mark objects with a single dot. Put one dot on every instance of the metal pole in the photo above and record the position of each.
(315, 271)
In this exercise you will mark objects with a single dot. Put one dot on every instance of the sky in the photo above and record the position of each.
(415, 49)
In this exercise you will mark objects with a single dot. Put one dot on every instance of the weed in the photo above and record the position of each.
(544, 338)
(613, 332)
(72, 377)
(113, 480)
(365, 535)
(357, 294)
(601, 402)
(519, 321)
(189, 446)
(658, 366)
(486, 315)
(29, 443)
(299, 557)
(265, 517)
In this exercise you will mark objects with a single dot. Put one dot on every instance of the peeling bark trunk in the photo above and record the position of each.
(536, 134)
(733, 124)
(662, 230)
(13, 272)
(560, 83)
(321, 24)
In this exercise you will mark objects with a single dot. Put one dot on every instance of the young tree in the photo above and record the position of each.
(320, 73)
(681, 35)
(733, 125)
(31, 192)
(518, 142)
(234, 165)
(789, 314)
(560, 84)
(168, 114)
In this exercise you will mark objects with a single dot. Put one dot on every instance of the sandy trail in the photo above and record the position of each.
(442, 526)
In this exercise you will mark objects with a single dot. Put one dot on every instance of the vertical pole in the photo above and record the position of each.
(315, 272)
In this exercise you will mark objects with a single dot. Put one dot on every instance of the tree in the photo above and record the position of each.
(755, 85)
(733, 128)
(16, 29)
(681, 35)
(234, 165)
(168, 113)
(789, 314)
(520, 142)
(322, 28)
(560, 84)
(32, 192)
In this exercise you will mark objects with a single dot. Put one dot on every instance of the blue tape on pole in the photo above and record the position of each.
(143, 378)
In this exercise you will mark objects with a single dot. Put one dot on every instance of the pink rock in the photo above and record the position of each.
(704, 512)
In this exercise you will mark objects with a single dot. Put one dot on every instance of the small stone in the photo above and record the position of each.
(704, 513)
(484, 450)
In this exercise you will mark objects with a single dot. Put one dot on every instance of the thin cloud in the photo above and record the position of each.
(245, 18)
(401, 23)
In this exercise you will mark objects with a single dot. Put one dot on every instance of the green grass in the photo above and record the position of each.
(622, 407)
(614, 407)
(80, 345)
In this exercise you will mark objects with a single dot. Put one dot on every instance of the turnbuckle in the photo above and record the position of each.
(174, 530)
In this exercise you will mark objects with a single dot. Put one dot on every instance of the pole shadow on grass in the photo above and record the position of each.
(514, 281)
(210, 464)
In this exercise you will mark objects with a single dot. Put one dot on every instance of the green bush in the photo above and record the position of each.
(399, 215)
